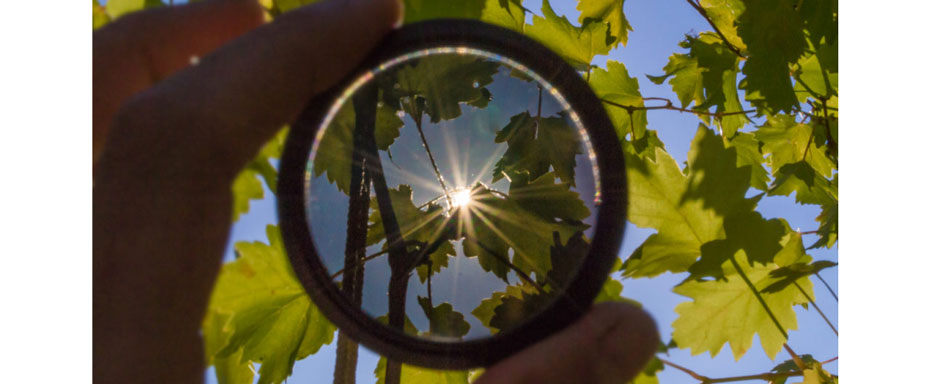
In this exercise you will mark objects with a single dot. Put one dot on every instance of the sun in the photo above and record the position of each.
(460, 197)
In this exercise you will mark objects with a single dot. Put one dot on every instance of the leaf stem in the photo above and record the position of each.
(817, 307)
(432, 161)
(827, 285)
(703, 13)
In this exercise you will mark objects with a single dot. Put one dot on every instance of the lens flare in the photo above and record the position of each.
(460, 197)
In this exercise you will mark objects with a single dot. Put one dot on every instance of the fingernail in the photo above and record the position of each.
(400, 14)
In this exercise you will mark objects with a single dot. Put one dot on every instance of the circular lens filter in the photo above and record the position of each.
(458, 198)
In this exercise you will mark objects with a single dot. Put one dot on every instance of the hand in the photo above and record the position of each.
(169, 138)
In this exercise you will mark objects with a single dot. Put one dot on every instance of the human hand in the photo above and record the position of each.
(170, 137)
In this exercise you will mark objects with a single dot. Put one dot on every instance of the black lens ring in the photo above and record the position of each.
(593, 272)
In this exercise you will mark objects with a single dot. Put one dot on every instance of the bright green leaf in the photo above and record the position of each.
(509, 14)
(419, 10)
(726, 311)
(724, 14)
(609, 12)
(100, 15)
(534, 144)
(615, 86)
(118, 8)
(271, 320)
(411, 374)
(577, 45)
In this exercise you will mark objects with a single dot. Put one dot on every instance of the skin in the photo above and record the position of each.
(169, 138)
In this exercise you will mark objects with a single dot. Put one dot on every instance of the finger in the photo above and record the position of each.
(239, 95)
(610, 344)
(138, 50)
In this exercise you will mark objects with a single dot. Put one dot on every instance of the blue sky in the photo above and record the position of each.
(658, 27)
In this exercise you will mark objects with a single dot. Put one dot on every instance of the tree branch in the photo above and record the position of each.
(703, 13)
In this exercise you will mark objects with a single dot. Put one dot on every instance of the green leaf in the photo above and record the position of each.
(714, 178)
(817, 375)
(818, 74)
(787, 141)
(271, 320)
(514, 311)
(443, 82)
(790, 366)
(334, 154)
(706, 76)
(485, 311)
(808, 186)
(821, 20)
(774, 37)
(724, 14)
(758, 238)
(419, 10)
(247, 186)
(577, 45)
(100, 15)
(547, 199)
(616, 86)
(609, 12)
(645, 146)
(829, 225)
(500, 224)
(726, 311)
(228, 369)
(426, 225)
(281, 6)
(411, 374)
(534, 144)
(749, 153)
(791, 273)
(443, 320)
(118, 8)
(649, 373)
(656, 189)
(509, 14)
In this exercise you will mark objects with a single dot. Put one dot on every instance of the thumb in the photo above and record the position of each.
(610, 344)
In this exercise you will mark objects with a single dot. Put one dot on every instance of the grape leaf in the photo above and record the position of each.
(443, 320)
(445, 81)
(547, 199)
(821, 20)
(829, 225)
(119, 8)
(536, 143)
(724, 14)
(616, 86)
(714, 178)
(419, 10)
(787, 141)
(650, 372)
(644, 146)
(411, 374)
(566, 260)
(726, 311)
(246, 186)
(577, 45)
(707, 77)
(427, 225)
(808, 186)
(758, 238)
(485, 311)
(271, 320)
(334, 154)
(281, 6)
(817, 375)
(514, 311)
(100, 15)
(228, 369)
(494, 225)
(506, 13)
(655, 191)
(749, 153)
(818, 74)
(774, 36)
(609, 12)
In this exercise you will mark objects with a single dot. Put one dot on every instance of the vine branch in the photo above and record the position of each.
(768, 376)
(668, 105)
(703, 13)
(432, 160)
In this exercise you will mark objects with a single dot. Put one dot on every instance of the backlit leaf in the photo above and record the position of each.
(774, 37)
(609, 12)
(577, 45)
(615, 86)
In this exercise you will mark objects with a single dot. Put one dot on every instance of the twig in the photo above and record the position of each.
(768, 376)
(817, 307)
(432, 161)
(361, 261)
(669, 106)
(703, 13)
(827, 285)
(829, 360)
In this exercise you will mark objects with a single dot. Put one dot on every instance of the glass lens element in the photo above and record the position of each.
(452, 193)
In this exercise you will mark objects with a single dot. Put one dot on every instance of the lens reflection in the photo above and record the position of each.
(452, 194)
